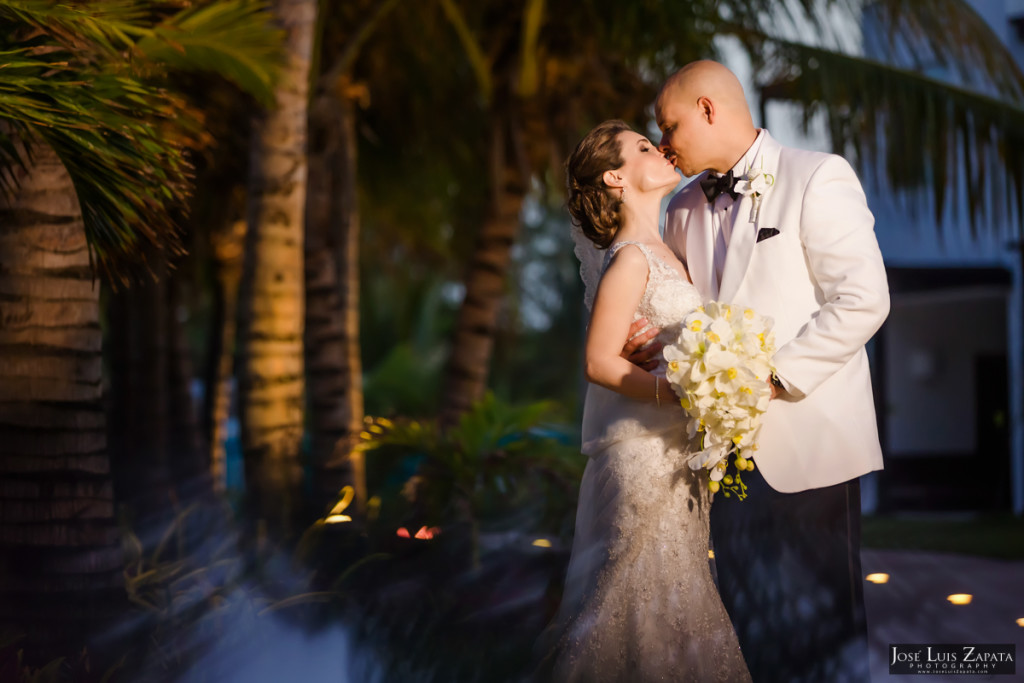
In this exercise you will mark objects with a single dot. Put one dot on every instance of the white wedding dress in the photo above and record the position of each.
(639, 602)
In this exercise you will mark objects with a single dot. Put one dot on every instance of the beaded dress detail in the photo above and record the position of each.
(639, 602)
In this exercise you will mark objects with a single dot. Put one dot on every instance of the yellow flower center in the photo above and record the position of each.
(749, 314)
(713, 338)
(673, 366)
(732, 373)
(746, 390)
(695, 326)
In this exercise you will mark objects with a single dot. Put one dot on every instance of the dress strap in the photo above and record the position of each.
(655, 263)
(612, 250)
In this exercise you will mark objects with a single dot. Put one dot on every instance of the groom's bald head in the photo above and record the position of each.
(704, 118)
(710, 79)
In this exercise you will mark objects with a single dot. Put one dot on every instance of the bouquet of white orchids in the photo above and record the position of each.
(719, 367)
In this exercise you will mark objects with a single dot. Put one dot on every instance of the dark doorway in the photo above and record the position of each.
(992, 420)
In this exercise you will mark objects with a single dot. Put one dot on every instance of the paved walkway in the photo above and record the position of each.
(912, 607)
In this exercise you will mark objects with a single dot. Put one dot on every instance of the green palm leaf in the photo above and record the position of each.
(233, 38)
(106, 27)
(124, 136)
(123, 143)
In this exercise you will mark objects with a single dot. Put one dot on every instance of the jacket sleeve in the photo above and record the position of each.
(837, 232)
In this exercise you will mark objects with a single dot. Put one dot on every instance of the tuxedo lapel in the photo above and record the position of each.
(744, 231)
(700, 251)
(741, 246)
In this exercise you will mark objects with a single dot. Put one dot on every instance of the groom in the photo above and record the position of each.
(803, 251)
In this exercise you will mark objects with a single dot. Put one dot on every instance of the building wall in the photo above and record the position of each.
(932, 341)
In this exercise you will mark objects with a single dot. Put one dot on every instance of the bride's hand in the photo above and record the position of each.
(635, 352)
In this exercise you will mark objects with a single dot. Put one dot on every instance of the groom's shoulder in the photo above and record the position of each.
(805, 158)
(809, 161)
(690, 197)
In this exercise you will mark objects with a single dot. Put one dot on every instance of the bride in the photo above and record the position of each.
(639, 601)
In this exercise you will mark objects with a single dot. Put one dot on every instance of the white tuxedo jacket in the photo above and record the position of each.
(821, 278)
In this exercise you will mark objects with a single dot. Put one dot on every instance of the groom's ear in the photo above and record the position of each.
(707, 109)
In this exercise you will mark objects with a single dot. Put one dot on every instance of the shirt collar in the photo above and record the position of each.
(750, 158)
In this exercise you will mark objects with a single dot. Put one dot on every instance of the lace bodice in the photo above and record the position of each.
(668, 298)
(609, 417)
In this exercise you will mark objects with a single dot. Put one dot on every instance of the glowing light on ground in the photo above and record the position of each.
(335, 516)
(960, 598)
(334, 519)
(423, 534)
(542, 543)
(877, 578)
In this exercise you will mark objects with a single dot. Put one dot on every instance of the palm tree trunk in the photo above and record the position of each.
(334, 366)
(466, 374)
(272, 293)
(60, 554)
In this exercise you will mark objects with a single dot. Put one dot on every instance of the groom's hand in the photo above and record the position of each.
(635, 352)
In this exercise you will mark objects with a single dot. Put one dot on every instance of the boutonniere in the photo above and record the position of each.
(754, 183)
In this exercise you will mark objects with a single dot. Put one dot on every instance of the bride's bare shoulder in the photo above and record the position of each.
(628, 255)
(627, 267)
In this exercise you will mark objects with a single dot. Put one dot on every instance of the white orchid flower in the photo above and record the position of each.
(718, 359)
(754, 184)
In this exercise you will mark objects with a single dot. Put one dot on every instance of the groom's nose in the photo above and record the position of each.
(666, 150)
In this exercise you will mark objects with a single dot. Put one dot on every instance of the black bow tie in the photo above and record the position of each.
(714, 185)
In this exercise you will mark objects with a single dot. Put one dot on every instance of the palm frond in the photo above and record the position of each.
(105, 28)
(124, 143)
(124, 136)
(921, 134)
(923, 34)
(235, 39)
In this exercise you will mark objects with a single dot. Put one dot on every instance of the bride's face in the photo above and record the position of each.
(644, 168)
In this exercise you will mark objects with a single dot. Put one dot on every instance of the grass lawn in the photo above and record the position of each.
(999, 536)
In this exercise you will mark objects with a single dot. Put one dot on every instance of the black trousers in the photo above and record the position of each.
(788, 569)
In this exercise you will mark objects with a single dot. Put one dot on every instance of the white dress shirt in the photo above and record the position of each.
(721, 222)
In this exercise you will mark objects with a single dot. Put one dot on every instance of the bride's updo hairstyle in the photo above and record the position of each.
(592, 207)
